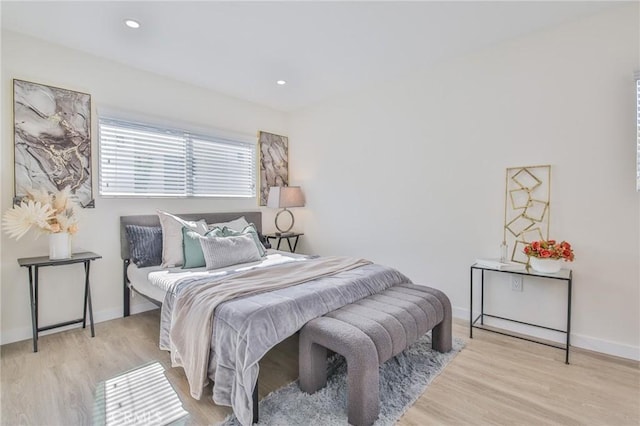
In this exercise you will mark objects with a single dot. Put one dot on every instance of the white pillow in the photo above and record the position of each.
(225, 251)
(172, 237)
(236, 224)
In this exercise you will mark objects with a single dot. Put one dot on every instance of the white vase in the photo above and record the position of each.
(59, 245)
(547, 266)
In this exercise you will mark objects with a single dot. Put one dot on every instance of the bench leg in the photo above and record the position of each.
(441, 339)
(441, 336)
(362, 365)
(363, 391)
(362, 381)
(313, 364)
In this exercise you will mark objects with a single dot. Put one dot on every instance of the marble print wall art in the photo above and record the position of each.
(52, 137)
(274, 163)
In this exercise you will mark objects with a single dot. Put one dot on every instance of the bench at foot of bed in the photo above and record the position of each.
(368, 333)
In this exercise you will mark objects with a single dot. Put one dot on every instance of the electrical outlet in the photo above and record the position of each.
(516, 282)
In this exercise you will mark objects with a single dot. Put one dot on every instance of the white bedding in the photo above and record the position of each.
(139, 281)
(154, 281)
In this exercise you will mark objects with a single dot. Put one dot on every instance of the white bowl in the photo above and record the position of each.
(547, 266)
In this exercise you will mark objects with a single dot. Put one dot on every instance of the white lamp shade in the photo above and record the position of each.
(285, 196)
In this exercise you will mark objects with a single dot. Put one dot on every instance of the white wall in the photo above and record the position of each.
(411, 173)
(120, 87)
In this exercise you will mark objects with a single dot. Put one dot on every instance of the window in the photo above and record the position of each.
(144, 160)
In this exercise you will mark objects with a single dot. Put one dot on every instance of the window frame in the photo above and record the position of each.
(189, 133)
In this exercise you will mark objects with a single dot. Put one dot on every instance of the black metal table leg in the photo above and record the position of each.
(33, 311)
(87, 290)
(482, 299)
(84, 309)
(35, 283)
(471, 303)
(279, 241)
(566, 359)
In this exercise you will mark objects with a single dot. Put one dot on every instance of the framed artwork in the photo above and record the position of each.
(527, 206)
(52, 140)
(274, 163)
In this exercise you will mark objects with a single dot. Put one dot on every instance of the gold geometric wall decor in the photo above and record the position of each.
(526, 208)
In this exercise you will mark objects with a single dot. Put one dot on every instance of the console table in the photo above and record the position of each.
(564, 276)
(33, 264)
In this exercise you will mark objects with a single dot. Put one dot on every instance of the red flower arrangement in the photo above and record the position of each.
(550, 250)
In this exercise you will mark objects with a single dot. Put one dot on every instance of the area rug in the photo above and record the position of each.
(402, 380)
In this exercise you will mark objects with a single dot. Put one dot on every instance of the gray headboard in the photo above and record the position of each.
(152, 220)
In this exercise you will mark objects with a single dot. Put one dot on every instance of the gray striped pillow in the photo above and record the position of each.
(225, 251)
(145, 244)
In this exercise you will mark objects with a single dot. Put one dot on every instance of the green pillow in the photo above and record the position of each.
(191, 249)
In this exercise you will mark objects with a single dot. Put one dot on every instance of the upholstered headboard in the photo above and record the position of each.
(152, 220)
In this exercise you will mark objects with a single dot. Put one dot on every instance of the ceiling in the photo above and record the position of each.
(322, 49)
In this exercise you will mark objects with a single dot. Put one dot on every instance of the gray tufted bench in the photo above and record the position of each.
(368, 333)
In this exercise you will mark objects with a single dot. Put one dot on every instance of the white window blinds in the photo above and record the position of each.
(143, 160)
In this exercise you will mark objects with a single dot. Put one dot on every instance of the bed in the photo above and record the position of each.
(138, 282)
(222, 338)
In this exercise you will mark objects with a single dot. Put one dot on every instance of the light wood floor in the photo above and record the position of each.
(494, 380)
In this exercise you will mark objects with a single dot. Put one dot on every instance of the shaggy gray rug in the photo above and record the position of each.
(402, 380)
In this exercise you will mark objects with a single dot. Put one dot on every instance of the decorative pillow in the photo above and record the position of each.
(236, 224)
(145, 245)
(191, 249)
(249, 229)
(265, 241)
(172, 237)
(225, 251)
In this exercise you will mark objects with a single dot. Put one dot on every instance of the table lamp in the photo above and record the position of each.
(282, 197)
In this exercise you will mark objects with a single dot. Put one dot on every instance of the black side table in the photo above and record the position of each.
(287, 237)
(33, 264)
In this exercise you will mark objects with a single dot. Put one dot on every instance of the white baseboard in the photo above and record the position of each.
(605, 346)
(24, 333)
(577, 340)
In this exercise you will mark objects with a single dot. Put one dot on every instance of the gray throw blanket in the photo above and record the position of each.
(192, 318)
(244, 329)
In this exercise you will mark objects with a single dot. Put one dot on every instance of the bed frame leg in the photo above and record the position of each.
(255, 403)
(127, 292)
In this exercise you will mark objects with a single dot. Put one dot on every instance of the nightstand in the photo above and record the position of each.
(33, 264)
(288, 237)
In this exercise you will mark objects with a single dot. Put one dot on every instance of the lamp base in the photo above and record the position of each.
(284, 231)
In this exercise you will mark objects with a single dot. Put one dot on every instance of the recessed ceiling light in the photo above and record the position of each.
(281, 82)
(132, 23)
